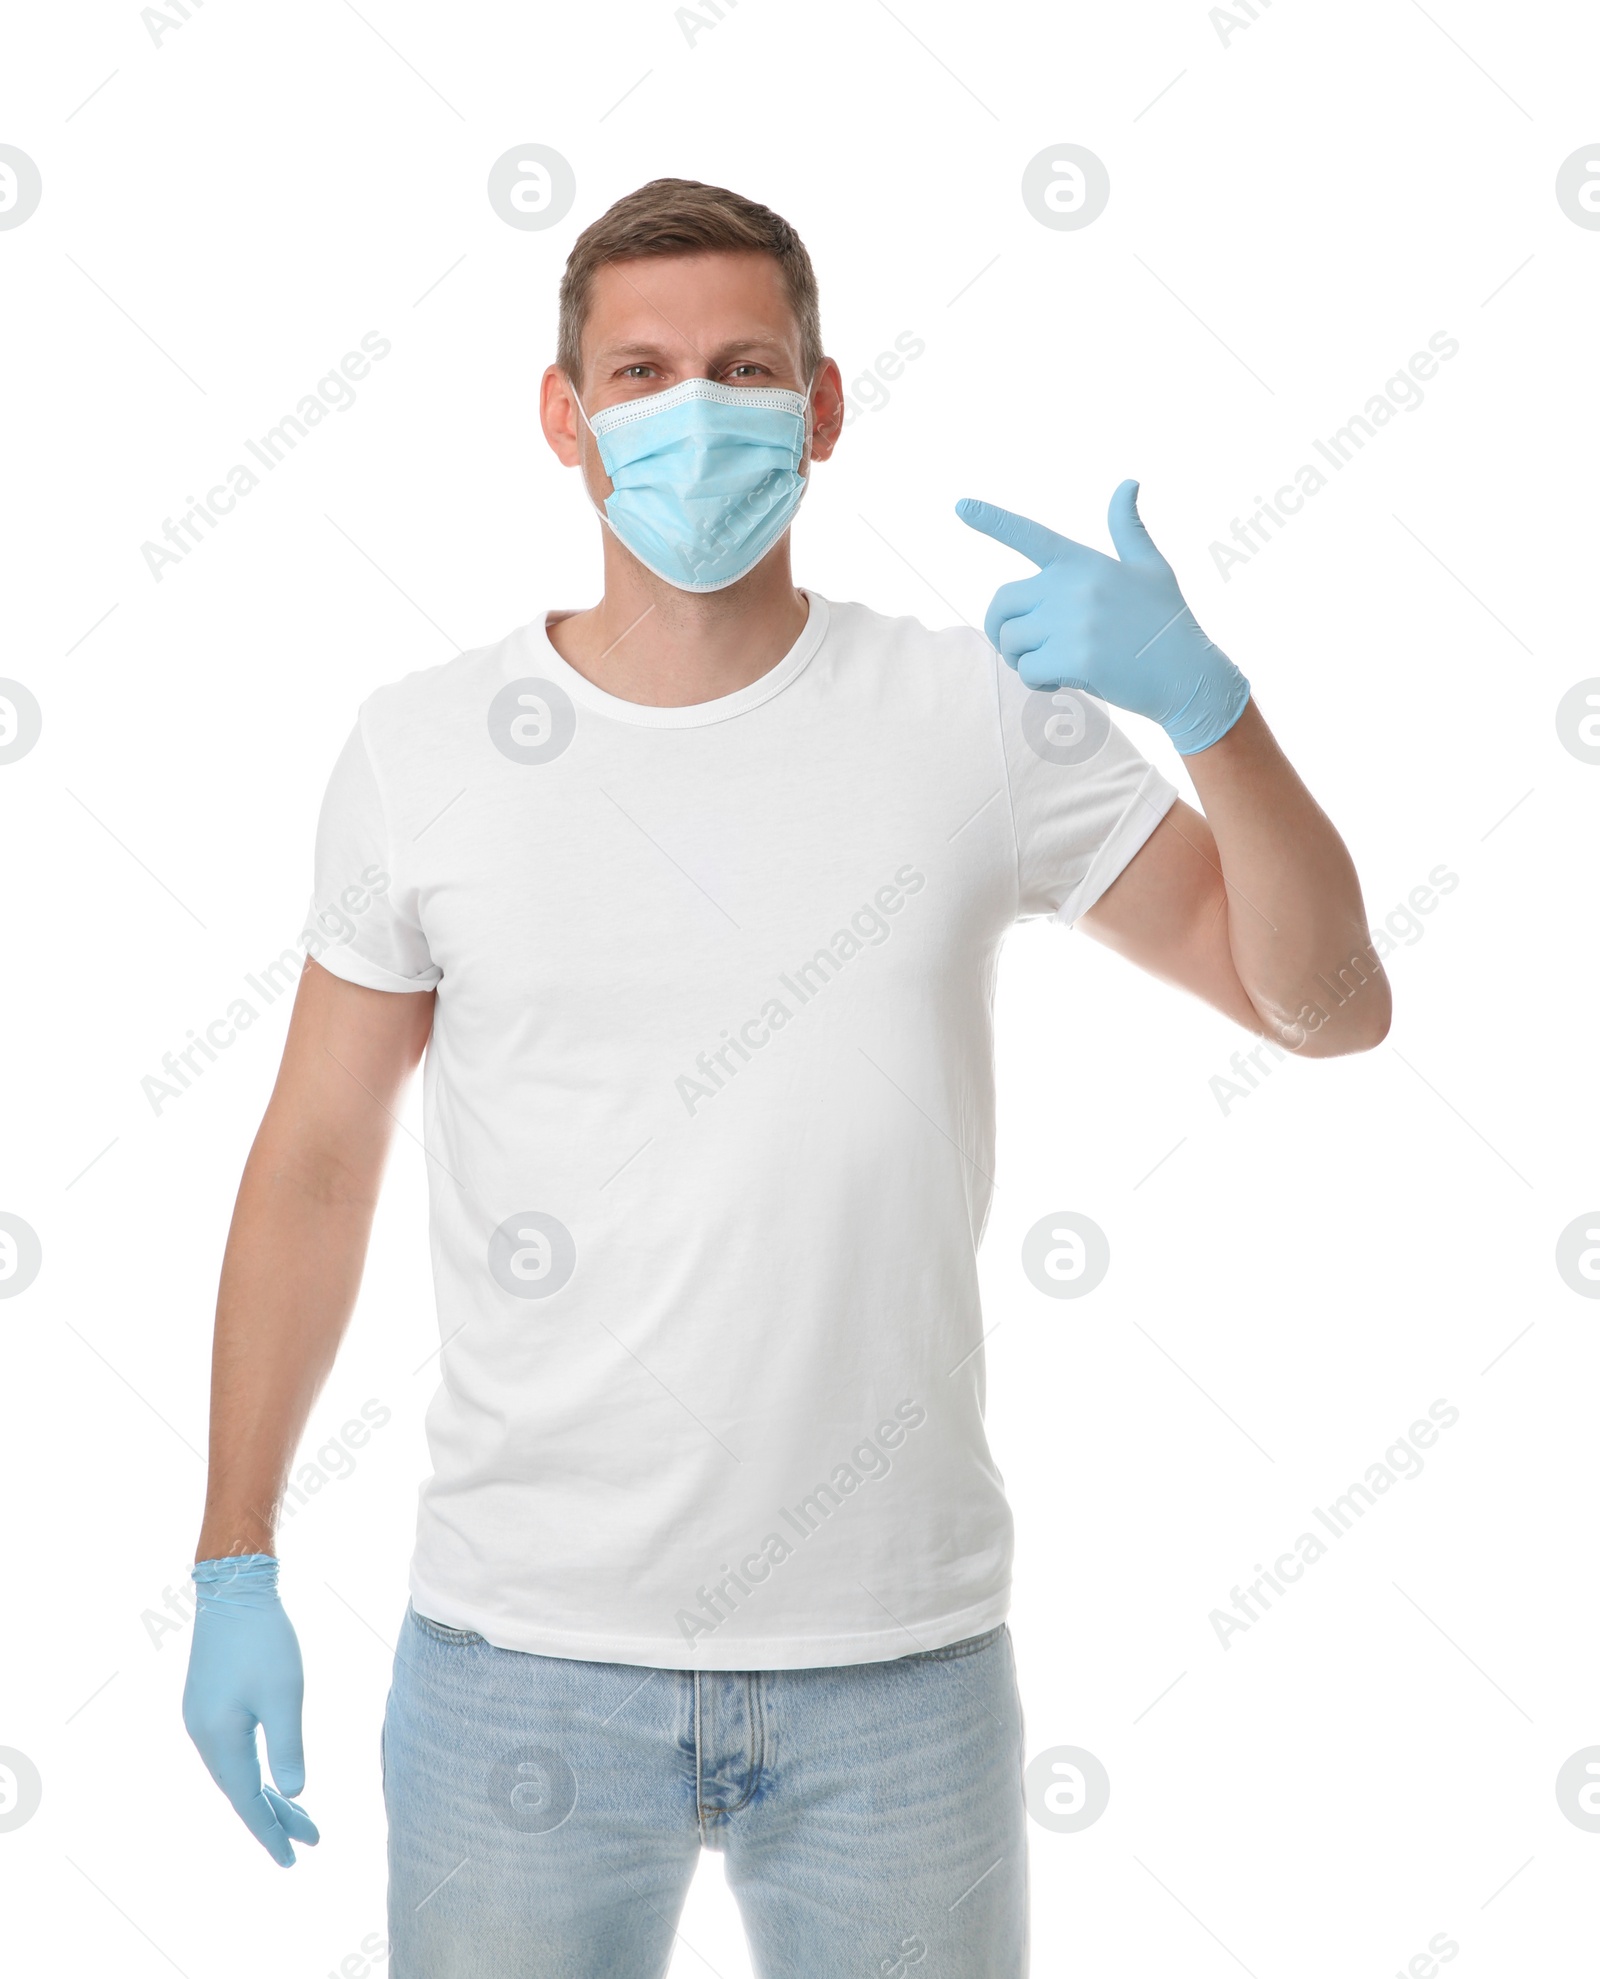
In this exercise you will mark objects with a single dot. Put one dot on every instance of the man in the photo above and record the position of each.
(696, 899)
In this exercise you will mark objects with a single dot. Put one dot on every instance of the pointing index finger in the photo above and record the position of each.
(1043, 546)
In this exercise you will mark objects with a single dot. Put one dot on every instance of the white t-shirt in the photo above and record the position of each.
(710, 1122)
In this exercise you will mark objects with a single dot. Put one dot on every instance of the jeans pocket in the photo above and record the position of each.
(442, 1631)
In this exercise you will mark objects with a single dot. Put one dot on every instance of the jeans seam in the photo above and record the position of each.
(756, 1757)
(752, 1681)
(954, 1651)
(699, 1764)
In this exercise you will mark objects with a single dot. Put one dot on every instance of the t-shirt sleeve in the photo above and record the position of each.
(1083, 799)
(362, 923)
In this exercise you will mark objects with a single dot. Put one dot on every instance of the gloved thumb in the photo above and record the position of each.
(286, 1753)
(1128, 533)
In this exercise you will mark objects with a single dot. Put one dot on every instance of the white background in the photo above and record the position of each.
(1372, 1763)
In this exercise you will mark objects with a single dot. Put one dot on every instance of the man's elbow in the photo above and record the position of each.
(1341, 1016)
(1351, 1031)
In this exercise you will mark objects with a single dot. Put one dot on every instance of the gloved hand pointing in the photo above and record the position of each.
(244, 1671)
(1118, 630)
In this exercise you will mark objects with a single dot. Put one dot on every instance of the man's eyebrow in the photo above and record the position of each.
(633, 352)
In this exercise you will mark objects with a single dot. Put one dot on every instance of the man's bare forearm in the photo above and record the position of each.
(298, 1242)
(289, 1282)
(1297, 928)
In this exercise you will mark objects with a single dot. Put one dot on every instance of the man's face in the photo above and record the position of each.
(656, 322)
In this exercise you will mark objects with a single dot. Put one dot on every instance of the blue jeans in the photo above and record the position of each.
(546, 1814)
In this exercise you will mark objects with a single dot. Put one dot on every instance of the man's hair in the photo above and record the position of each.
(682, 216)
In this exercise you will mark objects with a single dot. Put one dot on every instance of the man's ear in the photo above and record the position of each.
(827, 409)
(558, 416)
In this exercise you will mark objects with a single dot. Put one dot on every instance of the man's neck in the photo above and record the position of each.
(648, 642)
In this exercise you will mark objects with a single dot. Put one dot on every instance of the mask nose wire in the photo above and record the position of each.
(808, 420)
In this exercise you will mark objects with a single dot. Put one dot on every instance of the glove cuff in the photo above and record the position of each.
(1220, 697)
(244, 1577)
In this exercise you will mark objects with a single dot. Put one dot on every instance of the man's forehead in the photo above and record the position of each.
(641, 275)
(657, 306)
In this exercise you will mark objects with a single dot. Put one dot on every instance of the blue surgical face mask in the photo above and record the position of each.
(705, 478)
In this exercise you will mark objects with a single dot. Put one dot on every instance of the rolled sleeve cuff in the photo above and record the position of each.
(1149, 804)
(344, 959)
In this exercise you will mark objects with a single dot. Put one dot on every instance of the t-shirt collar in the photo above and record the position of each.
(548, 664)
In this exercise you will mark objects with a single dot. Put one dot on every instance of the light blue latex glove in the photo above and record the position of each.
(1118, 630)
(244, 1671)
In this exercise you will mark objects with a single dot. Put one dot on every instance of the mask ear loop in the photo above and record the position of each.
(578, 402)
(593, 435)
(810, 417)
